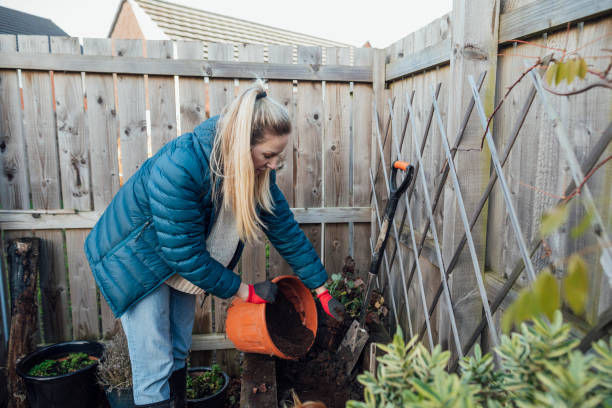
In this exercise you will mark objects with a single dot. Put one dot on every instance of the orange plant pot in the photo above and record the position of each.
(246, 324)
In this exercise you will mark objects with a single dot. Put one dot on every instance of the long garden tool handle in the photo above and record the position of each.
(385, 229)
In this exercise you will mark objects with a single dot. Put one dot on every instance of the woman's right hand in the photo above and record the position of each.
(262, 292)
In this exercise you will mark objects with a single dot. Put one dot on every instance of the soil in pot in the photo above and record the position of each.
(285, 327)
(204, 383)
(63, 365)
(74, 389)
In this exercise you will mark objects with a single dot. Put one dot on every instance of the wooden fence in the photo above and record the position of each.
(441, 56)
(77, 122)
(64, 155)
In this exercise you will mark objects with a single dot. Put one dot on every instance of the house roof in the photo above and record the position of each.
(180, 22)
(17, 22)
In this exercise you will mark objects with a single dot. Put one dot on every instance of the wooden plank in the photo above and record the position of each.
(337, 148)
(429, 57)
(82, 288)
(220, 91)
(40, 135)
(131, 109)
(74, 168)
(308, 155)
(162, 104)
(103, 136)
(192, 93)
(249, 53)
(211, 341)
(14, 187)
(545, 15)
(362, 155)
(258, 369)
(475, 51)
(282, 92)
(18, 220)
(185, 67)
(72, 138)
(103, 128)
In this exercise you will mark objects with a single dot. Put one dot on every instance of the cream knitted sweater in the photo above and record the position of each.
(221, 244)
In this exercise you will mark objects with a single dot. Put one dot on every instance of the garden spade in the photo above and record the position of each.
(357, 336)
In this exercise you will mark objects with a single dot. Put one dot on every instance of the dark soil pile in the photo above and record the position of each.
(319, 376)
(285, 327)
(233, 393)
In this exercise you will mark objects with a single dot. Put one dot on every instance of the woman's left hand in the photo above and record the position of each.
(331, 306)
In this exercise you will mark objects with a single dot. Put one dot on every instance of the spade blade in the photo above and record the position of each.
(352, 345)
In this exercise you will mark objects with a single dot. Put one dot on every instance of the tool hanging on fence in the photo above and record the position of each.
(357, 336)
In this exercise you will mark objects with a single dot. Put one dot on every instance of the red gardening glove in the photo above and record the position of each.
(331, 306)
(262, 292)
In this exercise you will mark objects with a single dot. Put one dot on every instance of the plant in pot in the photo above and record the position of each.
(115, 372)
(62, 375)
(206, 387)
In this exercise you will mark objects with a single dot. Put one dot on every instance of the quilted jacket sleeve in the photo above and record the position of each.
(176, 192)
(289, 240)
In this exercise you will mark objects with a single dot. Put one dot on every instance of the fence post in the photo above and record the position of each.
(474, 36)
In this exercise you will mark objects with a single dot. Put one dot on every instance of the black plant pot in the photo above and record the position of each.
(73, 390)
(120, 397)
(216, 400)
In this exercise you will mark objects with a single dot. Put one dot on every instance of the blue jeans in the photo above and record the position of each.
(158, 330)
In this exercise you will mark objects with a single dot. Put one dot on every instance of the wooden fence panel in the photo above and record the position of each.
(103, 135)
(337, 149)
(537, 172)
(40, 133)
(362, 141)
(14, 186)
(282, 92)
(162, 104)
(308, 159)
(131, 107)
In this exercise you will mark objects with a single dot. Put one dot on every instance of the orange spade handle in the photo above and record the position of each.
(401, 165)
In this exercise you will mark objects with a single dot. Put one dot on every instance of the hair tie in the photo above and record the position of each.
(261, 95)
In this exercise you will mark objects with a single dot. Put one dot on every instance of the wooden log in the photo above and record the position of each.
(259, 372)
(23, 272)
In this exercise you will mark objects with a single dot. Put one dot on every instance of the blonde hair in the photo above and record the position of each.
(242, 125)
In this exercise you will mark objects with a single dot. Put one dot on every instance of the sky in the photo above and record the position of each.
(381, 22)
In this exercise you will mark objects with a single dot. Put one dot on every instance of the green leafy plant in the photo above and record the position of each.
(539, 367)
(204, 384)
(114, 370)
(64, 365)
(349, 290)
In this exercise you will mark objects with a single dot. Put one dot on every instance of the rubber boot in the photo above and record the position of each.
(178, 387)
(162, 404)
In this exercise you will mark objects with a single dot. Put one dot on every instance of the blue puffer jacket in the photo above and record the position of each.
(158, 222)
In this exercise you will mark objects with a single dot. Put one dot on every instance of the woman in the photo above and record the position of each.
(177, 228)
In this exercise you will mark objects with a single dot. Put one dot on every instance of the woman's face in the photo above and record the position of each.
(266, 154)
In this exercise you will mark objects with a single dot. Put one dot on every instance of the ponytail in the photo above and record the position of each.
(243, 124)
